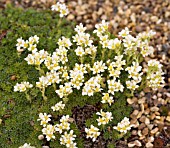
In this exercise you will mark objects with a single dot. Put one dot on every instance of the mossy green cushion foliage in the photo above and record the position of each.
(19, 116)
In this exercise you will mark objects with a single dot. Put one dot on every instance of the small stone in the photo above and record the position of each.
(154, 131)
(139, 133)
(45, 147)
(154, 97)
(142, 119)
(142, 137)
(130, 101)
(134, 143)
(154, 109)
(154, 18)
(159, 95)
(147, 121)
(158, 117)
(139, 115)
(13, 77)
(70, 17)
(145, 131)
(134, 114)
(142, 100)
(150, 126)
(133, 121)
(151, 139)
(157, 113)
(141, 126)
(149, 145)
(71, 120)
(136, 124)
(152, 116)
(168, 118)
(131, 144)
(41, 137)
(147, 111)
(134, 132)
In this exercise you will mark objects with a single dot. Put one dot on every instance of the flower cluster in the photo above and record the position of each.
(105, 117)
(135, 75)
(30, 44)
(68, 140)
(114, 68)
(77, 75)
(123, 126)
(36, 58)
(58, 107)
(98, 67)
(26, 145)
(154, 74)
(92, 85)
(101, 29)
(64, 90)
(61, 8)
(107, 99)
(64, 124)
(131, 43)
(92, 132)
(22, 86)
(49, 130)
(114, 86)
(44, 118)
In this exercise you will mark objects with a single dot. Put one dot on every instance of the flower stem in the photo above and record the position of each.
(43, 94)
(41, 72)
(103, 53)
(28, 96)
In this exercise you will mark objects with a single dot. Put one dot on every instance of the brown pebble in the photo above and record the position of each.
(150, 126)
(13, 77)
(145, 131)
(147, 121)
(154, 131)
(141, 126)
(70, 17)
(152, 116)
(134, 114)
(134, 132)
(142, 119)
(154, 109)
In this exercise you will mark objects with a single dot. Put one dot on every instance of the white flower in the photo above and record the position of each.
(80, 29)
(44, 118)
(68, 139)
(98, 67)
(62, 8)
(65, 42)
(123, 126)
(101, 28)
(27, 146)
(64, 91)
(80, 51)
(105, 117)
(107, 99)
(49, 131)
(93, 132)
(22, 86)
(59, 106)
(114, 86)
(124, 32)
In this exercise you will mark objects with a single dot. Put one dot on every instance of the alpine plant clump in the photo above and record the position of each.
(105, 64)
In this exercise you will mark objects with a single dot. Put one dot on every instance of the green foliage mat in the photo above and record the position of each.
(19, 117)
